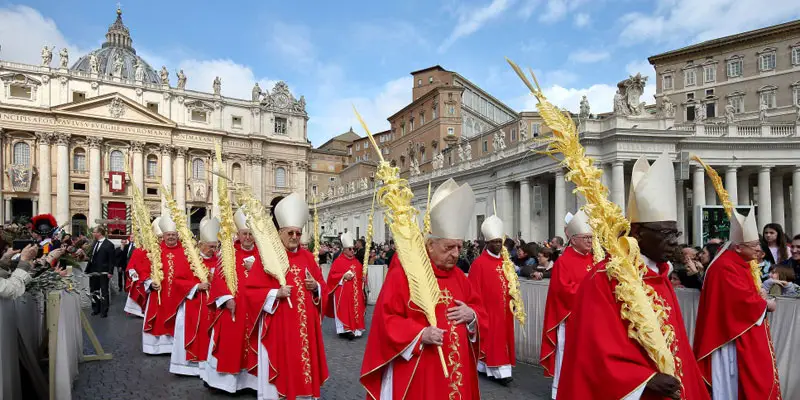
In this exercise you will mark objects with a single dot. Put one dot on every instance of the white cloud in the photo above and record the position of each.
(293, 41)
(528, 7)
(582, 19)
(23, 33)
(472, 20)
(600, 96)
(559, 77)
(588, 56)
(679, 21)
(556, 10)
(237, 80)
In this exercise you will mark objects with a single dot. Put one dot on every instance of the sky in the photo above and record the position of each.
(344, 53)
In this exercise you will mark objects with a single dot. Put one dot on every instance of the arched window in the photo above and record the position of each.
(236, 172)
(152, 165)
(280, 177)
(79, 225)
(79, 160)
(117, 161)
(198, 169)
(22, 154)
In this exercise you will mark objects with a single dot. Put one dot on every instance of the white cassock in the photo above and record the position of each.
(132, 307)
(561, 338)
(725, 371)
(339, 325)
(154, 344)
(230, 383)
(177, 362)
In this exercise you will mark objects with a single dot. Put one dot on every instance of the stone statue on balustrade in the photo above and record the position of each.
(351, 187)
(138, 72)
(363, 184)
(798, 114)
(438, 161)
(164, 75)
(93, 64)
(181, 80)
(217, 86)
(627, 100)
(729, 114)
(330, 192)
(64, 61)
(700, 113)
(462, 155)
(499, 140)
(340, 191)
(256, 93)
(118, 63)
(468, 150)
(47, 55)
(585, 109)
(523, 131)
(414, 169)
(762, 112)
(667, 108)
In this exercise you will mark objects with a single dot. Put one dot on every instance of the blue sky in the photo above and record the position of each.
(361, 52)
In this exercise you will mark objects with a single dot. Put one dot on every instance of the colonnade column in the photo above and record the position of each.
(731, 185)
(764, 197)
(137, 148)
(95, 179)
(166, 172)
(744, 187)
(559, 202)
(256, 162)
(698, 199)
(796, 201)
(778, 212)
(62, 179)
(45, 173)
(180, 177)
(4, 214)
(214, 190)
(7, 209)
(617, 185)
(525, 209)
(680, 204)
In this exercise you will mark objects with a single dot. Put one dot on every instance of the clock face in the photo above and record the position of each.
(282, 101)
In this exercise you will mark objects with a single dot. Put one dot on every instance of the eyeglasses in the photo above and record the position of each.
(667, 233)
(587, 238)
(294, 233)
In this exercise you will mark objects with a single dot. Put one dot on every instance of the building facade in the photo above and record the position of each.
(76, 138)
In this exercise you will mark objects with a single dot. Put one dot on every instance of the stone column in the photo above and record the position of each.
(256, 162)
(698, 199)
(35, 206)
(62, 176)
(525, 209)
(560, 202)
(778, 212)
(743, 186)
(166, 172)
(180, 177)
(95, 179)
(45, 173)
(795, 201)
(605, 179)
(764, 197)
(505, 209)
(137, 149)
(731, 185)
(214, 193)
(711, 193)
(617, 186)
(680, 204)
(7, 207)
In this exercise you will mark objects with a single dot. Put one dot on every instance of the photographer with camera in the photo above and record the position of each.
(14, 285)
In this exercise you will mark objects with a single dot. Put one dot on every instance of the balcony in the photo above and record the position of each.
(742, 129)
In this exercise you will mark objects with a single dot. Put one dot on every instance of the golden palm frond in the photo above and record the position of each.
(187, 237)
(642, 308)
(510, 272)
(316, 232)
(148, 239)
(368, 244)
(426, 221)
(395, 196)
(227, 227)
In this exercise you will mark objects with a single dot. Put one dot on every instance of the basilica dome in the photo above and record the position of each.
(118, 46)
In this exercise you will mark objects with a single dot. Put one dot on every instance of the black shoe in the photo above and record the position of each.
(505, 381)
(351, 336)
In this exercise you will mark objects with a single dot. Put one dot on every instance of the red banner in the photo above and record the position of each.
(116, 181)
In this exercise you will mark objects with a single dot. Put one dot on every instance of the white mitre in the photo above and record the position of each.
(652, 193)
(167, 224)
(291, 211)
(156, 228)
(492, 228)
(347, 240)
(743, 229)
(577, 224)
(240, 220)
(209, 228)
(452, 208)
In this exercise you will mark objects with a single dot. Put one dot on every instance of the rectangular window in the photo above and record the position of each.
(485, 146)
(411, 125)
(280, 126)
(451, 131)
(402, 129)
(667, 82)
(690, 96)
(20, 92)
(689, 78)
(796, 95)
(711, 110)
(313, 178)
(79, 187)
(737, 102)
(199, 116)
(796, 55)
(422, 118)
(358, 146)
(152, 165)
(236, 122)
(690, 113)
(709, 92)
(768, 98)
(152, 191)
(314, 189)
(513, 134)
(535, 129)
(153, 107)
(767, 62)
(734, 68)
(79, 161)
(332, 179)
(709, 73)
(434, 113)
(78, 97)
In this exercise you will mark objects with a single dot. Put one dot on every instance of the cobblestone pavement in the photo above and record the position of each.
(133, 375)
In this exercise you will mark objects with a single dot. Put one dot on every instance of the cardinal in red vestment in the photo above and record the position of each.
(600, 360)
(569, 271)
(346, 303)
(197, 347)
(138, 270)
(732, 341)
(228, 366)
(286, 331)
(401, 360)
(497, 354)
(158, 325)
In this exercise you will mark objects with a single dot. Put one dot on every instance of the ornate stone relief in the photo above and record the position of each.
(137, 146)
(61, 139)
(94, 142)
(166, 149)
(44, 137)
(116, 108)
(281, 100)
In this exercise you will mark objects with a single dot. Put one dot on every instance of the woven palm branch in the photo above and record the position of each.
(510, 273)
(227, 228)
(426, 221)
(395, 196)
(641, 307)
(148, 239)
(187, 237)
(316, 232)
(368, 244)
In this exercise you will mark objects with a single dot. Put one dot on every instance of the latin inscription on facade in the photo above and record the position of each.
(84, 124)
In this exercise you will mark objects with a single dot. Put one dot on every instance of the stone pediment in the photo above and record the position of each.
(113, 107)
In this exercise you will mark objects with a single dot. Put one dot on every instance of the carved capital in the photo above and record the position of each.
(139, 91)
(94, 142)
(44, 137)
(61, 139)
(181, 99)
(137, 146)
(166, 149)
(255, 159)
(181, 151)
(218, 105)
(167, 95)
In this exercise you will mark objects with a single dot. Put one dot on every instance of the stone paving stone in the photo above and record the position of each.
(132, 375)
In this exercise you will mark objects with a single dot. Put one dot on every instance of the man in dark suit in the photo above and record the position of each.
(123, 256)
(100, 268)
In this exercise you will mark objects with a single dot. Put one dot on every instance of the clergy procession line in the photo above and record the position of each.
(242, 308)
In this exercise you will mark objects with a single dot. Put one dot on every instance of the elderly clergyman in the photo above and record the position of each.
(401, 358)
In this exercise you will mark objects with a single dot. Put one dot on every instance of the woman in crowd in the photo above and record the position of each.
(763, 264)
(773, 242)
(525, 261)
(708, 253)
(780, 282)
(544, 263)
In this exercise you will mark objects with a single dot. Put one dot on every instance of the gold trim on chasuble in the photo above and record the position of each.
(171, 263)
(453, 354)
(301, 310)
(355, 298)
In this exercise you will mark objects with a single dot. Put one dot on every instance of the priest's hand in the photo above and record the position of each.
(203, 286)
(665, 385)
(310, 283)
(231, 305)
(248, 263)
(432, 335)
(155, 286)
(284, 292)
(772, 305)
(460, 314)
(349, 275)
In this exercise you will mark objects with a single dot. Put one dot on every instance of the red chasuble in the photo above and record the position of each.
(292, 336)
(160, 318)
(183, 283)
(349, 297)
(497, 342)
(397, 323)
(601, 361)
(198, 345)
(230, 336)
(569, 271)
(730, 307)
(141, 265)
